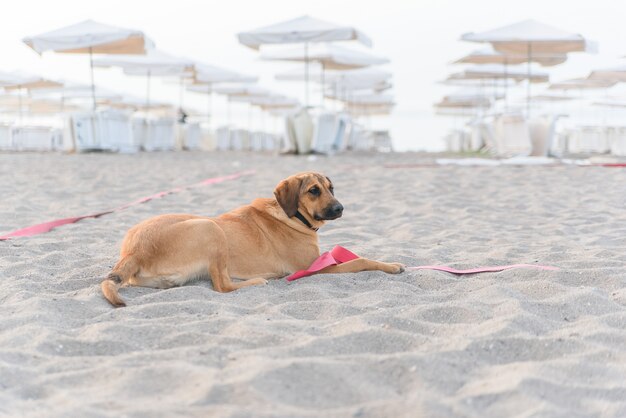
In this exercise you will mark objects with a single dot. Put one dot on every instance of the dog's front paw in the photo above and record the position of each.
(395, 268)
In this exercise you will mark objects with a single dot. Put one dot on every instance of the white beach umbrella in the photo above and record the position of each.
(497, 71)
(330, 56)
(210, 74)
(153, 63)
(616, 74)
(489, 55)
(469, 103)
(206, 76)
(552, 98)
(90, 37)
(364, 77)
(470, 94)
(611, 102)
(241, 91)
(274, 101)
(531, 37)
(20, 80)
(369, 99)
(135, 103)
(303, 30)
(582, 84)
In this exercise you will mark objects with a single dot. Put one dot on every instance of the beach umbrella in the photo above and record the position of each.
(302, 30)
(469, 103)
(530, 37)
(615, 75)
(329, 57)
(582, 84)
(470, 94)
(274, 101)
(370, 99)
(489, 55)
(135, 103)
(20, 80)
(497, 71)
(617, 103)
(210, 74)
(233, 92)
(346, 81)
(552, 98)
(153, 63)
(90, 37)
(206, 76)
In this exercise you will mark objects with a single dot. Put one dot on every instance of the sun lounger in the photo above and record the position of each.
(240, 140)
(324, 133)
(588, 140)
(303, 129)
(115, 132)
(6, 138)
(618, 141)
(542, 135)
(512, 136)
(35, 138)
(192, 136)
(222, 135)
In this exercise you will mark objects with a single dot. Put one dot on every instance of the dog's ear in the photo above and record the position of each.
(287, 195)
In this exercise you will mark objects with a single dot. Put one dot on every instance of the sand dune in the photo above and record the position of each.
(425, 343)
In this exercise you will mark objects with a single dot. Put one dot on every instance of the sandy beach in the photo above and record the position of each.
(518, 343)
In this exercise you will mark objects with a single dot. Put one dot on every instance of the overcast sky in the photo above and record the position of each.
(420, 38)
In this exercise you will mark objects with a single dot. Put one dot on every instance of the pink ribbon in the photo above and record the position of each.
(493, 269)
(339, 255)
(48, 226)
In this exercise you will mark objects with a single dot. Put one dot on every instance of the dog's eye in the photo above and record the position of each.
(315, 191)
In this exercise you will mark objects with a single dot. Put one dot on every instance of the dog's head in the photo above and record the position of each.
(310, 193)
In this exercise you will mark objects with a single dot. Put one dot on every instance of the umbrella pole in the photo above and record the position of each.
(506, 84)
(93, 84)
(148, 93)
(19, 98)
(181, 91)
(306, 74)
(228, 112)
(529, 81)
(210, 104)
(323, 75)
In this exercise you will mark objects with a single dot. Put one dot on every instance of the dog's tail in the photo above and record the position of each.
(119, 276)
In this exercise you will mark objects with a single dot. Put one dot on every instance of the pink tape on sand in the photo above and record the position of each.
(340, 255)
(48, 226)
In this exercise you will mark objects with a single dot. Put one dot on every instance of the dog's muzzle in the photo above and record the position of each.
(331, 212)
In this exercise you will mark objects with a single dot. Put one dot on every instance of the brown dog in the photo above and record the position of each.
(270, 238)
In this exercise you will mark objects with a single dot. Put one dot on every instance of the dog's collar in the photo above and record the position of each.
(302, 219)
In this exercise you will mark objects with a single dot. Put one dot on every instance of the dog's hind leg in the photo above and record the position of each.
(218, 262)
(223, 283)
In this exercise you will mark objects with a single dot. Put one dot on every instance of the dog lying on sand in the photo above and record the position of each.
(269, 238)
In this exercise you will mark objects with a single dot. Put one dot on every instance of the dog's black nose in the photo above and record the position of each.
(337, 208)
